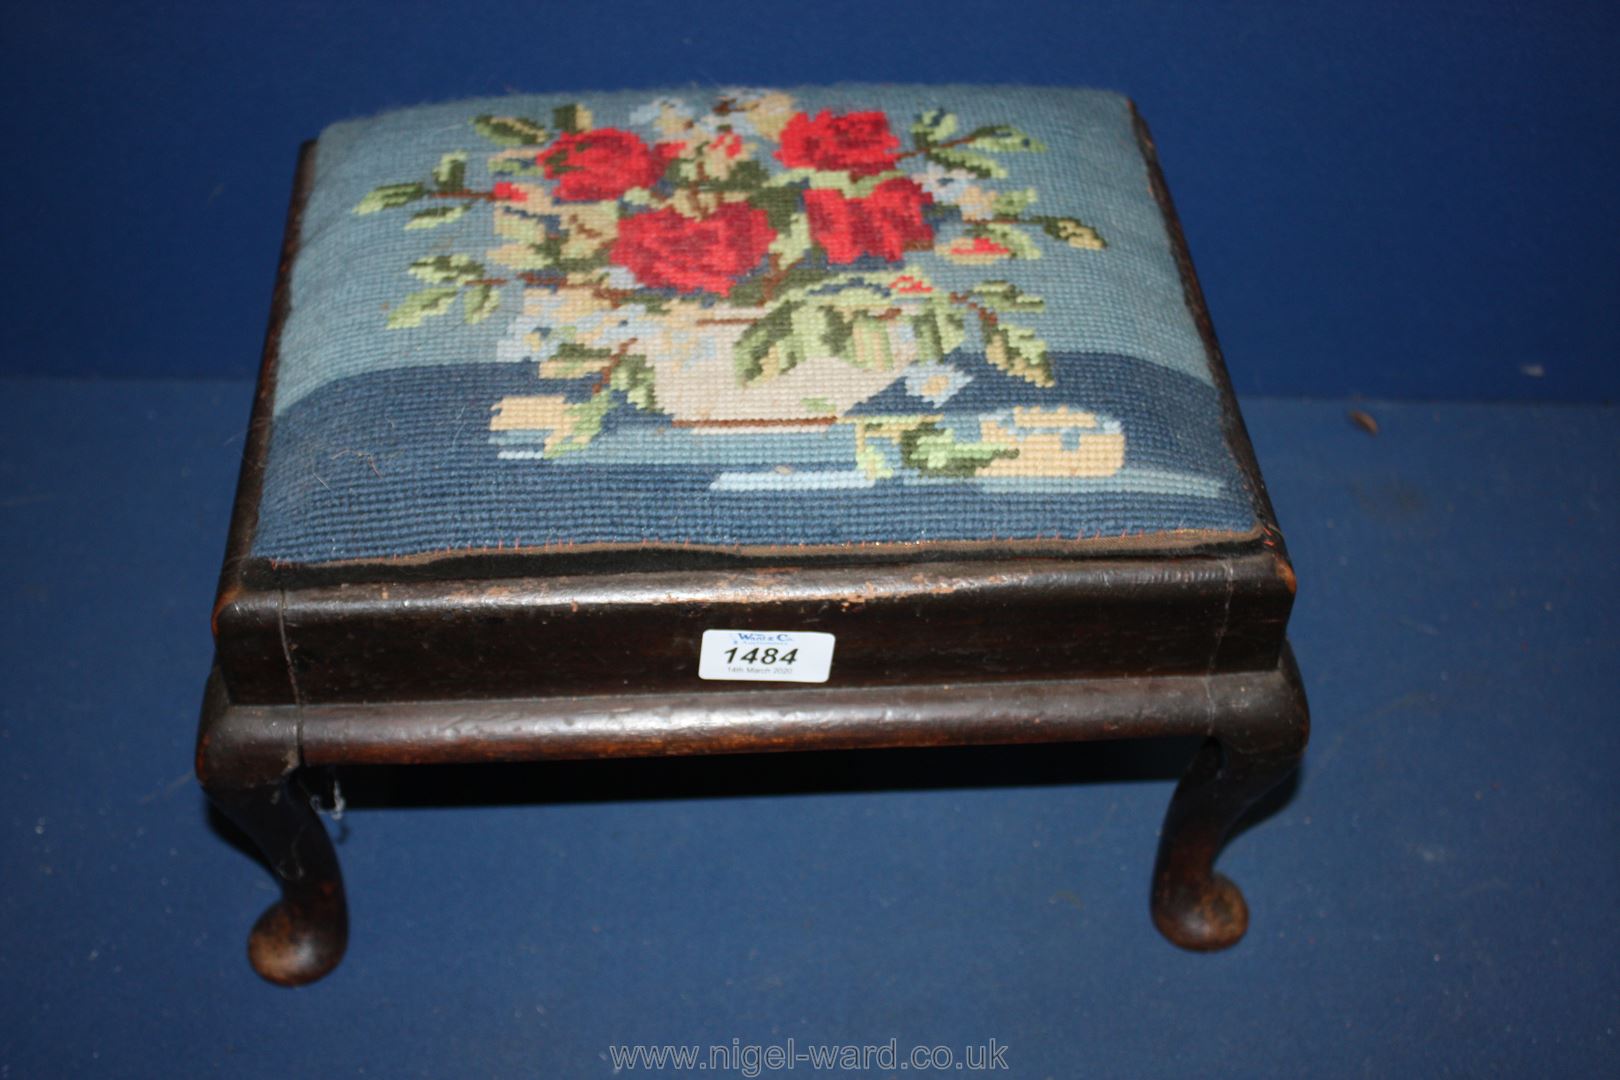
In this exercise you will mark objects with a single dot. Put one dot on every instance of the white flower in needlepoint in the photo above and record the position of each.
(935, 383)
(661, 110)
(617, 277)
(755, 112)
(946, 185)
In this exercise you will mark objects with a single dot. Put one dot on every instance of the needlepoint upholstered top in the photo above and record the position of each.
(742, 320)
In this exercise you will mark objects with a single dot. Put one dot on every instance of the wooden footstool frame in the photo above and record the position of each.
(391, 664)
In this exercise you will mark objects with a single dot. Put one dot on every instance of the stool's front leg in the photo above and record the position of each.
(1194, 905)
(247, 760)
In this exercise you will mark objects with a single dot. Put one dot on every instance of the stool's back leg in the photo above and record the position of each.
(1257, 745)
(247, 761)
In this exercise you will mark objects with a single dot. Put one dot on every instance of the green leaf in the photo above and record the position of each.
(934, 451)
(751, 292)
(584, 424)
(548, 255)
(529, 257)
(851, 187)
(933, 126)
(572, 118)
(389, 196)
(939, 331)
(1013, 203)
(770, 347)
(791, 177)
(1012, 238)
(479, 303)
(1004, 139)
(955, 157)
(1017, 351)
(872, 347)
(447, 269)
(451, 172)
(870, 460)
(514, 167)
(838, 334)
(743, 176)
(510, 130)
(1074, 232)
(436, 215)
(860, 294)
(634, 379)
(792, 241)
(1005, 296)
(420, 305)
(573, 361)
(809, 324)
(819, 406)
(829, 327)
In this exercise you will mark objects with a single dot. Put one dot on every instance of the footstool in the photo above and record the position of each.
(719, 421)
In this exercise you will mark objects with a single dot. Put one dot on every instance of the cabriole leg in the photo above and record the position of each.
(1194, 905)
(247, 760)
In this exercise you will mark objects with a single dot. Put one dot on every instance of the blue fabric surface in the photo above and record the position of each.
(353, 479)
(745, 317)
(1434, 898)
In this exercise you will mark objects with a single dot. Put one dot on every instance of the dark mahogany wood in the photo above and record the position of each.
(606, 633)
(248, 763)
(533, 655)
(1255, 724)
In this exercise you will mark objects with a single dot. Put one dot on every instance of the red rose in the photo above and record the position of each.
(602, 164)
(858, 143)
(886, 223)
(665, 249)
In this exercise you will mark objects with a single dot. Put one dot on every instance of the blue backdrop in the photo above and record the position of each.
(1415, 201)
(1389, 200)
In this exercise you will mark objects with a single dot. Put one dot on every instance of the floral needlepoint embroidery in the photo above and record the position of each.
(666, 249)
(676, 272)
(860, 144)
(886, 224)
(735, 320)
(593, 165)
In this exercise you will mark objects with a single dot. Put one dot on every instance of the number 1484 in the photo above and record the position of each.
(757, 655)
